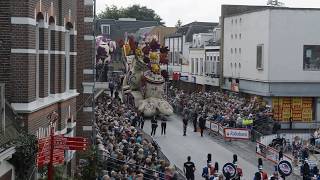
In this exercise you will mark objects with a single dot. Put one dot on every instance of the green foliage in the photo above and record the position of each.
(88, 171)
(25, 156)
(134, 11)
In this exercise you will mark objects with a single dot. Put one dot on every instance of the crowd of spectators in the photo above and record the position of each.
(226, 108)
(125, 153)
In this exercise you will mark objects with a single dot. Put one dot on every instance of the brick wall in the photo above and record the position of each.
(5, 45)
(84, 61)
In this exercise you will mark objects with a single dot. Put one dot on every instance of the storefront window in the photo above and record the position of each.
(311, 57)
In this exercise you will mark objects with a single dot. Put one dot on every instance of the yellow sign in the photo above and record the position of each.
(297, 108)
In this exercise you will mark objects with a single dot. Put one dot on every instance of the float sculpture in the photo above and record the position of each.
(144, 80)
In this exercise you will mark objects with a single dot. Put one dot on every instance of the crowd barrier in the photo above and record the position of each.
(266, 140)
(270, 153)
(228, 132)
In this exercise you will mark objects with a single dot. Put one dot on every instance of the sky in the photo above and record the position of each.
(195, 10)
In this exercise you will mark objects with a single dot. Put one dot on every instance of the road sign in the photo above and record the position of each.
(78, 139)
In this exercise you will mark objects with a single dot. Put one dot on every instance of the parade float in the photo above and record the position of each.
(144, 80)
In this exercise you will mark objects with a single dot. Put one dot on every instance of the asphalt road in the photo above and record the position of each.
(177, 147)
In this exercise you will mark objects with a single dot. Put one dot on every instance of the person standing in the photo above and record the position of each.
(189, 169)
(163, 125)
(202, 124)
(111, 88)
(194, 120)
(185, 125)
(154, 125)
(141, 120)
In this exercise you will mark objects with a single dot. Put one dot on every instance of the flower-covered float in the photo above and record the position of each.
(144, 79)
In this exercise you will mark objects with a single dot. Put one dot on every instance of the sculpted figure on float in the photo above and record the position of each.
(144, 80)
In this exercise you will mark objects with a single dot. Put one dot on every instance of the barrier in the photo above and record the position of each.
(266, 140)
(237, 133)
(270, 153)
(227, 132)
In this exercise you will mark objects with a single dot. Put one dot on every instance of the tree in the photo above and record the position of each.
(179, 23)
(135, 11)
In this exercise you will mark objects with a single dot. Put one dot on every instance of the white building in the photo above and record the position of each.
(204, 60)
(274, 53)
(180, 42)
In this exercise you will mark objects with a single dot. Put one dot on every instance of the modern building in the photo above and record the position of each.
(46, 49)
(159, 32)
(118, 29)
(274, 52)
(180, 42)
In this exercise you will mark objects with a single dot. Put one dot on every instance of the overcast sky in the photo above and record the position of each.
(195, 10)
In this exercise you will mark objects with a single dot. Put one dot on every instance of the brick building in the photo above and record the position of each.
(46, 51)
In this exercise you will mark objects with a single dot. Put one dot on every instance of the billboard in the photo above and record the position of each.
(297, 108)
(236, 133)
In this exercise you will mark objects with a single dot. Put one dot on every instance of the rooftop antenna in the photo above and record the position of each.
(275, 3)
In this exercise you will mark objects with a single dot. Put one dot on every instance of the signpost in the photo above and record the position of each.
(51, 149)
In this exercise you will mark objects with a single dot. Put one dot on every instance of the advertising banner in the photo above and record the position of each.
(296, 109)
(286, 109)
(237, 133)
(307, 109)
(215, 127)
(277, 108)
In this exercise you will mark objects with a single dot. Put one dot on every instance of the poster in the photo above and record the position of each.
(296, 112)
(307, 109)
(297, 108)
(277, 108)
(286, 109)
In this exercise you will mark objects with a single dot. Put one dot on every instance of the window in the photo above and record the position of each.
(236, 21)
(236, 36)
(235, 50)
(105, 29)
(240, 21)
(211, 58)
(201, 66)
(207, 57)
(231, 21)
(240, 36)
(217, 58)
(235, 65)
(231, 65)
(311, 57)
(260, 57)
(192, 65)
(239, 50)
(239, 66)
(231, 36)
(214, 58)
(231, 51)
(197, 65)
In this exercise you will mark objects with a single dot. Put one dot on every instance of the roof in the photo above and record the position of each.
(193, 28)
(263, 8)
(119, 27)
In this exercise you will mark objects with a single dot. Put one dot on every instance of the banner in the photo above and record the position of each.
(307, 109)
(286, 109)
(297, 108)
(236, 133)
(215, 127)
(277, 108)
